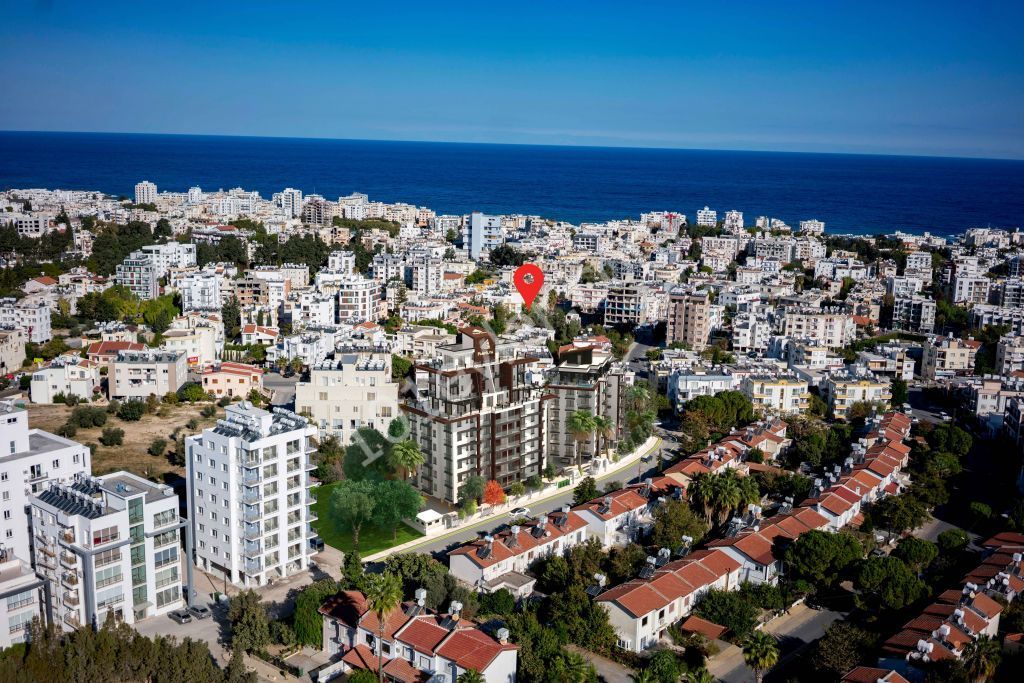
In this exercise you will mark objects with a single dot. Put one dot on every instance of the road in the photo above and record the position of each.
(794, 631)
(283, 388)
(636, 472)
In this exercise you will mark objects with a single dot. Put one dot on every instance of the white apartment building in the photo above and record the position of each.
(1010, 354)
(359, 300)
(831, 327)
(200, 291)
(914, 313)
(481, 233)
(145, 192)
(776, 395)
(248, 493)
(291, 202)
(945, 357)
(22, 598)
(312, 346)
(685, 384)
(29, 225)
(349, 392)
(971, 289)
(903, 285)
(29, 460)
(919, 262)
(32, 315)
(750, 332)
(139, 274)
(67, 375)
(108, 544)
(812, 227)
(733, 220)
(841, 390)
(707, 217)
(137, 374)
(313, 309)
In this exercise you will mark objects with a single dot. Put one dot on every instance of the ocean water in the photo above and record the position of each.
(851, 193)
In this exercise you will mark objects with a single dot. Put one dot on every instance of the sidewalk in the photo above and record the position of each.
(500, 512)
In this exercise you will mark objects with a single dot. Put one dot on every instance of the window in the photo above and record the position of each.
(107, 556)
(21, 599)
(56, 464)
(108, 576)
(7, 514)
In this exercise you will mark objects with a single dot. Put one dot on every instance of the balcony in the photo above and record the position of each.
(311, 515)
(71, 620)
(71, 598)
(252, 477)
(68, 536)
(294, 483)
(252, 532)
(253, 566)
(252, 549)
(69, 560)
(37, 475)
(251, 496)
(48, 562)
(47, 551)
(69, 578)
(293, 518)
(252, 514)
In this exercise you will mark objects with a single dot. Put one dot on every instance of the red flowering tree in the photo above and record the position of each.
(493, 493)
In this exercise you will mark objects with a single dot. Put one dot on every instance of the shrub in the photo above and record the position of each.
(72, 400)
(131, 411)
(208, 411)
(192, 424)
(112, 436)
(158, 447)
(59, 397)
(192, 392)
(113, 407)
(67, 430)
(171, 398)
(224, 401)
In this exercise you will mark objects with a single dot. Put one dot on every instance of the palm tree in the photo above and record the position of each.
(726, 497)
(642, 676)
(701, 675)
(470, 676)
(701, 493)
(383, 595)
(405, 457)
(761, 653)
(605, 431)
(750, 494)
(981, 657)
(575, 668)
(581, 425)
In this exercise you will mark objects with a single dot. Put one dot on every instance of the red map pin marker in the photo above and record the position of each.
(528, 279)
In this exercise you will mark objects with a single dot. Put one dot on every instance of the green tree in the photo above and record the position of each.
(470, 676)
(192, 392)
(231, 313)
(888, 582)
(820, 556)
(308, 623)
(159, 313)
(842, 648)
(900, 394)
(672, 521)
(383, 596)
(952, 541)
(352, 507)
(472, 489)
(728, 608)
(916, 553)
(585, 491)
(581, 425)
(393, 502)
(158, 448)
(761, 653)
(405, 458)
(131, 411)
(898, 513)
(400, 366)
(250, 628)
(981, 657)
(664, 667)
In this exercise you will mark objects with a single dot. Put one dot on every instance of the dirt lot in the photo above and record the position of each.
(131, 455)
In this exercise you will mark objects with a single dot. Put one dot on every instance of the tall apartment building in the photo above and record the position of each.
(481, 233)
(291, 202)
(776, 395)
(359, 299)
(200, 291)
(624, 304)
(689, 319)
(12, 350)
(137, 374)
(145, 192)
(584, 380)
(914, 313)
(1010, 354)
(707, 217)
(248, 494)
(354, 390)
(29, 460)
(843, 389)
(31, 314)
(831, 327)
(475, 413)
(23, 598)
(733, 220)
(108, 544)
(812, 227)
(141, 270)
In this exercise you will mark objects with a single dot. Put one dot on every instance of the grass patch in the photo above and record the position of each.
(371, 539)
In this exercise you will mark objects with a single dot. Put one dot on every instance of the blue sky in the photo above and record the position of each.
(935, 78)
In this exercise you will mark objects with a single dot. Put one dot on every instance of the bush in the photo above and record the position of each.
(67, 430)
(192, 424)
(729, 609)
(113, 407)
(112, 436)
(158, 448)
(86, 417)
(208, 411)
(59, 397)
(171, 398)
(192, 392)
(131, 411)
(224, 401)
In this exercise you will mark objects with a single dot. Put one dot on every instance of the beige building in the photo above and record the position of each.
(137, 374)
(946, 357)
(843, 390)
(689, 319)
(12, 350)
(351, 391)
(776, 395)
(232, 379)
(829, 327)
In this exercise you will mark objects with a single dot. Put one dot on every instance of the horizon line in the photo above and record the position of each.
(511, 144)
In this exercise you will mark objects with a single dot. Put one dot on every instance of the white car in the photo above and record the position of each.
(519, 512)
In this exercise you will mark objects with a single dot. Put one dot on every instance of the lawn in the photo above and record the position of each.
(371, 539)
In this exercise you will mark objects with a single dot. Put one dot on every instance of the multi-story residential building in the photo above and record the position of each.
(351, 391)
(812, 227)
(232, 379)
(733, 220)
(685, 384)
(67, 376)
(108, 545)
(624, 304)
(475, 413)
(419, 643)
(707, 217)
(291, 202)
(689, 320)
(843, 389)
(584, 380)
(30, 460)
(23, 598)
(31, 315)
(903, 285)
(832, 327)
(750, 332)
(947, 356)
(421, 341)
(12, 350)
(140, 275)
(982, 315)
(481, 233)
(145, 192)
(919, 262)
(914, 313)
(312, 346)
(137, 374)
(1010, 354)
(771, 395)
(200, 291)
(1010, 293)
(970, 289)
(359, 299)
(248, 494)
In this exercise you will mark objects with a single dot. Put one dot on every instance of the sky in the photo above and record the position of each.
(928, 78)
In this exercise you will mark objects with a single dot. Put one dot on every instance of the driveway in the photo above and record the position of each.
(794, 631)
(283, 388)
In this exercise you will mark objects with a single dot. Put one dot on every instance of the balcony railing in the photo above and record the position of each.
(69, 560)
(252, 550)
(251, 496)
(253, 566)
(69, 578)
(252, 514)
(252, 477)
(36, 476)
(67, 536)
(72, 620)
(71, 599)
(252, 532)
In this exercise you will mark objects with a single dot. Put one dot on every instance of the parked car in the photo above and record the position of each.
(520, 512)
(181, 616)
(199, 611)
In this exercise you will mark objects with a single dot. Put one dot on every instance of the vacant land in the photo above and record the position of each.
(132, 454)
(371, 539)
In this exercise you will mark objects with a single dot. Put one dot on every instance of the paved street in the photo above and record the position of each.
(794, 632)
(283, 387)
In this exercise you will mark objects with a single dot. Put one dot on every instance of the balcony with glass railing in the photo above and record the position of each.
(69, 578)
(251, 496)
(253, 566)
(251, 477)
(252, 513)
(294, 518)
(71, 619)
(71, 598)
(252, 549)
(294, 483)
(252, 532)
(293, 500)
(69, 560)
(165, 518)
(294, 535)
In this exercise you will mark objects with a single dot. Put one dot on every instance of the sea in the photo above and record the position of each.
(852, 193)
